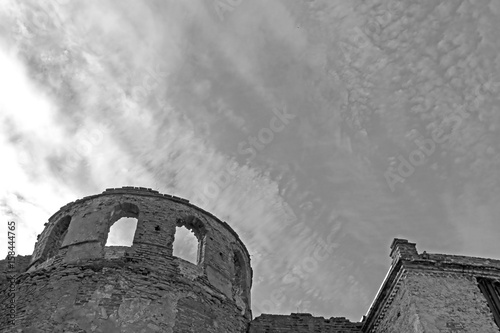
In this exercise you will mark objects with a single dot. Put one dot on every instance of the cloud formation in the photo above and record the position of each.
(181, 97)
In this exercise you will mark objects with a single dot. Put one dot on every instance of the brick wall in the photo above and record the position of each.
(301, 323)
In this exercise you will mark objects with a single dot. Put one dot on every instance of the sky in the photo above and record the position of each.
(318, 129)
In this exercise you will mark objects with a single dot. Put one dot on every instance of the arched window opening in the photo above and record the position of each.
(56, 237)
(122, 232)
(240, 285)
(189, 240)
(186, 245)
(122, 224)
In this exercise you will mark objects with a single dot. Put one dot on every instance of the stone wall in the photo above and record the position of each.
(433, 293)
(401, 315)
(437, 302)
(76, 284)
(122, 295)
(301, 322)
(21, 263)
(9, 269)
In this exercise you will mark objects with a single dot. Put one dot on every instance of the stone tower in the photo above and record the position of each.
(74, 283)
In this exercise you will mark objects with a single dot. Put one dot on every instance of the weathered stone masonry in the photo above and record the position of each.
(432, 293)
(302, 322)
(73, 283)
(76, 284)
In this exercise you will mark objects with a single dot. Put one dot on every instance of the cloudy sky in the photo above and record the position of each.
(319, 129)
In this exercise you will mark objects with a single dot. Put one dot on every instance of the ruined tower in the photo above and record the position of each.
(74, 283)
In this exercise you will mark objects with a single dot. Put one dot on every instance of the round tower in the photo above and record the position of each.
(74, 283)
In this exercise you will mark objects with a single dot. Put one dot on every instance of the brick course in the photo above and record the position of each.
(302, 323)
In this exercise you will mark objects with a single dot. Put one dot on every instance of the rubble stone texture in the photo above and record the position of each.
(73, 283)
(302, 322)
(436, 293)
(76, 284)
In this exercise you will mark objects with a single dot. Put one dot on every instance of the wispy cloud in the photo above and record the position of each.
(169, 94)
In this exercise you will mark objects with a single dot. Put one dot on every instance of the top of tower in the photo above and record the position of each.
(145, 191)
